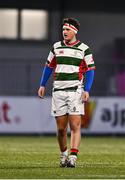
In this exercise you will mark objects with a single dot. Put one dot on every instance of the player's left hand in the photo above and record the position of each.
(41, 92)
(85, 96)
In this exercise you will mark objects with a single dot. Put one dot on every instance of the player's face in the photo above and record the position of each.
(68, 34)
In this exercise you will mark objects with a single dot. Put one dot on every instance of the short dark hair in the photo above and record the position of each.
(71, 21)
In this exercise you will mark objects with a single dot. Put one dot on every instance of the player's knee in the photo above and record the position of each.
(61, 132)
(75, 126)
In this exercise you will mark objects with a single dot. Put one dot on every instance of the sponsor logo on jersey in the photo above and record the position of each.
(61, 52)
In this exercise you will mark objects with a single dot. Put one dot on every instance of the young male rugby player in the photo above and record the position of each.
(73, 66)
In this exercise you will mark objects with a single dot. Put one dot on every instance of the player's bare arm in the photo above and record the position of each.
(85, 96)
(44, 78)
(41, 91)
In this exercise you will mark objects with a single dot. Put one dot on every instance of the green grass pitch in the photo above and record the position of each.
(37, 157)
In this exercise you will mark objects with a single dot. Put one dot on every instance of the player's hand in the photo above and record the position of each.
(85, 96)
(41, 92)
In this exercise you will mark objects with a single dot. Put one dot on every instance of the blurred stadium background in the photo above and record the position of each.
(27, 31)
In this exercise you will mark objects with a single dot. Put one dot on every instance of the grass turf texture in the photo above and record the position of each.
(38, 158)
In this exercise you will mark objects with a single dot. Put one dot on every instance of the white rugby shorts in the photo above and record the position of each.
(67, 102)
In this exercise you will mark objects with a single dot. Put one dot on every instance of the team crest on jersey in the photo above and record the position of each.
(76, 54)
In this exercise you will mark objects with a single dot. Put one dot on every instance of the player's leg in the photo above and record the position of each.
(75, 126)
(59, 110)
(75, 109)
(62, 123)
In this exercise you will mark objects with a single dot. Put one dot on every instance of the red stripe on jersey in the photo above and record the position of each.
(82, 69)
(52, 64)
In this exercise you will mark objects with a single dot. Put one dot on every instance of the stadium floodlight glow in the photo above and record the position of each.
(34, 24)
(8, 23)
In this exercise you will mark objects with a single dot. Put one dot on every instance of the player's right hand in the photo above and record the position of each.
(41, 91)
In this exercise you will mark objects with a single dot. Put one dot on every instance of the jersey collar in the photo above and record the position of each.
(71, 44)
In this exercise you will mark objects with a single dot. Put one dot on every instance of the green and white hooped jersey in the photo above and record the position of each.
(70, 63)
